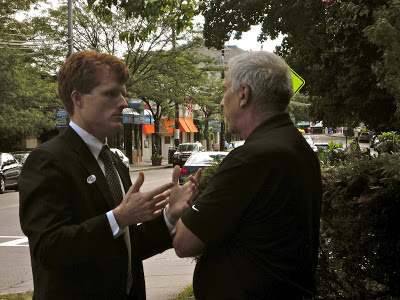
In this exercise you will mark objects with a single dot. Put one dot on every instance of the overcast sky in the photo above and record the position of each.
(249, 41)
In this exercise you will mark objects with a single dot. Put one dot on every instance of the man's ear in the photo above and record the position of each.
(245, 91)
(76, 98)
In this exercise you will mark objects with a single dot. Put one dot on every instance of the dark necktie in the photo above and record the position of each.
(115, 187)
(111, 175)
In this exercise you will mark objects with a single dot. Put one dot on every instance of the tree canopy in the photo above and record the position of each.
(345, 50)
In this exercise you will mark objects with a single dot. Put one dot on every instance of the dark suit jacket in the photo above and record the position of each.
(73, 252)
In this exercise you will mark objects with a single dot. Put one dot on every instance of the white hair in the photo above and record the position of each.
(268, 77)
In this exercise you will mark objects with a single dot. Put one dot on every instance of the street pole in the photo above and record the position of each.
(222, 133)
(177, 125)
(70, 29)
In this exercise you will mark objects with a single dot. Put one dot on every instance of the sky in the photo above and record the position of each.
(249, 41)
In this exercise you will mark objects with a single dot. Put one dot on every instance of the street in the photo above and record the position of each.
(15, 270)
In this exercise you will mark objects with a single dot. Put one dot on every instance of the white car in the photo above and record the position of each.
(122, 156)
(235, 144)
(310, 142)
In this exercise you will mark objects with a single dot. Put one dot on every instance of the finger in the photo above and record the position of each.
(157, 213)
(159, 190)
(175, 174)
(193, 180)
(161, 204)
(198, 175)
(138, 183)
(161, 197)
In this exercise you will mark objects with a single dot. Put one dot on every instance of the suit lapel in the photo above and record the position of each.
(89, 163)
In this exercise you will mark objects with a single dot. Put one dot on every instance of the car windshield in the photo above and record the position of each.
(187, 147)
(205, 159)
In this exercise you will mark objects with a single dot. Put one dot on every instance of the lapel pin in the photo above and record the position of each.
(91, 179)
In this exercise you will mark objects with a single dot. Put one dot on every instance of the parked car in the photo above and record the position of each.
(322, 146)
(310, 142)
(183, 152)
(235, 144)
(21, 156)
(122, 156)
(10, 169)
(200, 160)
(364, 137)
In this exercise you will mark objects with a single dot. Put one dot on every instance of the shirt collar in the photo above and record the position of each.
(92, 142)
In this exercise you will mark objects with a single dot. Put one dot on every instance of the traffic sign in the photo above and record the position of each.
(298, 82)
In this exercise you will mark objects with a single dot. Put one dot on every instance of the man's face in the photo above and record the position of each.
(100, 111)
(230, 104)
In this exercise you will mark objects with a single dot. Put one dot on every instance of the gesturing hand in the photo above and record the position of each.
(181, 197)
(137, 207)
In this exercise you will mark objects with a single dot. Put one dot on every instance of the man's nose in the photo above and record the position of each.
(124, 103)
(222, 103)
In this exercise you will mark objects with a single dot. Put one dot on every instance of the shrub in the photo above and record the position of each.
(360, 230)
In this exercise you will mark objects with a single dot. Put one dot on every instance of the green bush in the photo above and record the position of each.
(389, 142)
(360, 230)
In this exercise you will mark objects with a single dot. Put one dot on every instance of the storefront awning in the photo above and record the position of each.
(183, 127)
(191, 125)
(167, 126)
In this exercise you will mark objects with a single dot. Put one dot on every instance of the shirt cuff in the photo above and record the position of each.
(116, 230)
(171, 228)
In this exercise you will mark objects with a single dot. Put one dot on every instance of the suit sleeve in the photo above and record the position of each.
(62, 226)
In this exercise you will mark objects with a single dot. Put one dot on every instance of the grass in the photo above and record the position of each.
(187, 294)
(18, 296)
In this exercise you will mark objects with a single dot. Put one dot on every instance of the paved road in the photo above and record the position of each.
(166, 274)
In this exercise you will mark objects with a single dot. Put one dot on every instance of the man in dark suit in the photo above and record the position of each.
(84, 242)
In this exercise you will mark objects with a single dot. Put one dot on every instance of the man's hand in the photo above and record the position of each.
(181, 196)
(137, 207)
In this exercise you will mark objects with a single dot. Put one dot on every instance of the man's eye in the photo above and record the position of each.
(111, 94)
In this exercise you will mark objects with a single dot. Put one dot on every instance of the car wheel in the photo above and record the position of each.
(2, 185)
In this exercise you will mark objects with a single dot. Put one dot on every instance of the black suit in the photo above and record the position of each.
(74, 254)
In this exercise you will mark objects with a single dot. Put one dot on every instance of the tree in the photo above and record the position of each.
(208, 96)
(181, 12)
(299, 108)
(335, 47)
(168, 77)
(28, 96)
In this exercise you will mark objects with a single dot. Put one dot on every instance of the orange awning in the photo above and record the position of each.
(148, 129)
(191, 125)
(183, 126)
(167, 126)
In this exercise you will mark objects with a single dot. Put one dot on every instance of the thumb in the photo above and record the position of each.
(138, 183)
(175, 175)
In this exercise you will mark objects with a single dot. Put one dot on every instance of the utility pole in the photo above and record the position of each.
(70, 29)
(222, 133)
(177, 125)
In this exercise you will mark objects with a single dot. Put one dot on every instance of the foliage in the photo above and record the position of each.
(28, 98)
(208, 97)
(187, 294)
(181, 12)
(389, 142)
(337, 46)
(299, 108)
(156, 156)
(17, 296)
(360, 229)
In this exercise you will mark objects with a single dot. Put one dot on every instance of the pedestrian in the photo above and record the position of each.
(88, 227)
(255, 227)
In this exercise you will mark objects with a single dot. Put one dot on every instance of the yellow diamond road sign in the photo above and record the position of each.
(298, 82)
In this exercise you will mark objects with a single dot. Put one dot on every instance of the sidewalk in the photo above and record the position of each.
(146, 165)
